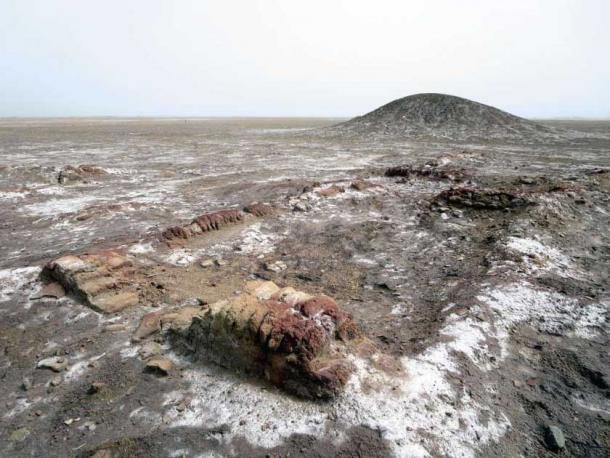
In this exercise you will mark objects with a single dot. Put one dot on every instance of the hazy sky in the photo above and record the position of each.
(300, 58)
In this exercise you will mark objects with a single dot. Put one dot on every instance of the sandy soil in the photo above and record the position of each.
(495, 317)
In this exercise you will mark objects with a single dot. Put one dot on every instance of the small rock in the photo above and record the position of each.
(554, 437)
(96, 387)
(55, 363)
(19, 435)
(115, 327)
(150, 324)
(220, 262)
(301, 207)
(159, 365)
(89, 425)
(360, 185)
(55, 381)
(207, 263)
(26, 385)
(331, 191)
(517, 383)
(69, 421)
(276, 266)
(150, 349)
(527, 180)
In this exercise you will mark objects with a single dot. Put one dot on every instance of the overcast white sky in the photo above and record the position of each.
(300, 58)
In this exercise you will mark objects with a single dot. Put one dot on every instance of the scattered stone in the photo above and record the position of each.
(331, 191)
(55, 381)
(55, 363)
(554, 438)
(301, 207)
(220, 262)
(69, 421)
(276, 266)
(517, 383)
(117, 327)
(89, 425)
(361, 185)
(19, 435)
(159, 365)
(179, 319)
(150, 349)
(207, 263)
(527, 180)
(26, 384)
(149, 325)
(96, 387)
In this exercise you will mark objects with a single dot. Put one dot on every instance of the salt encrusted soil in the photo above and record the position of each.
(491, 318)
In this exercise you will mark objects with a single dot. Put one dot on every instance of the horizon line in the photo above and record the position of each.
(220, 117)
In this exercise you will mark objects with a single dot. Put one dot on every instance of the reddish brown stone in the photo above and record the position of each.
(259, 210)
(331, 191)
(149, 324)
(267, 330)
(361, 185)
(348, 330)
(175, 232)
(215, 220)
(321, 304)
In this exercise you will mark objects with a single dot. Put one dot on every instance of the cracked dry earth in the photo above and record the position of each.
(352, 298)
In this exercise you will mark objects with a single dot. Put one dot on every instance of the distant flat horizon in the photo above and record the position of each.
(211, 118)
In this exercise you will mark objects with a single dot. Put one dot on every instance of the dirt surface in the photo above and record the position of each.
(478, 271)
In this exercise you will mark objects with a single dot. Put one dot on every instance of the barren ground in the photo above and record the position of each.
(497, 318)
